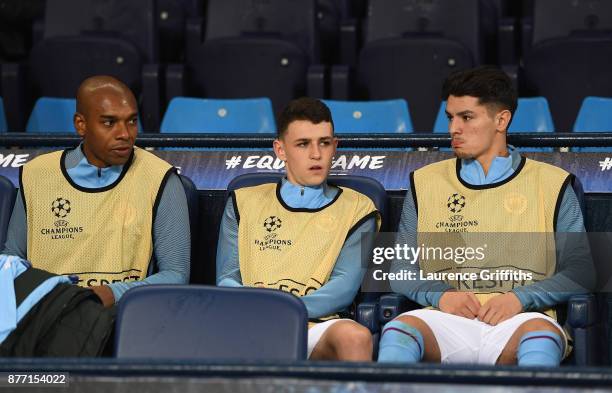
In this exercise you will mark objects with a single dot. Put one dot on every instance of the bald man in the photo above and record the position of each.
(103, 211)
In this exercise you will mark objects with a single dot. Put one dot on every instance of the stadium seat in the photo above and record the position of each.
(85, 38)
(52, 114)
(7, 200)
(191, 192)
(193, 115)
(410, 48)
(391, 116)
(594, 116)
(3, 126)
(210, 323)
(576, 35)
(251, 49)
(173, 16)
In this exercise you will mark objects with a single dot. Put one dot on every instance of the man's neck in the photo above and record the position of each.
(486, 159)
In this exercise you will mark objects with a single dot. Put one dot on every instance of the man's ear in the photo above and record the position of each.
(503, 120)
(79, 124)
(279, 149)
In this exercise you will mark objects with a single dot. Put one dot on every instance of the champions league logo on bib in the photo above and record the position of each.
(270, 240)
(61, 208)
(455, 204)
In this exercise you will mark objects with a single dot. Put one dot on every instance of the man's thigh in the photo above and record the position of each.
(316, 332)
(458, 337)
(505, 335)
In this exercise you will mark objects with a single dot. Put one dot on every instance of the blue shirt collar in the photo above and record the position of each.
(501, 168)
(309, 197)
(87, 175)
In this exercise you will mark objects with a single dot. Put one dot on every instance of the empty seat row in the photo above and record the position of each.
(255, 115)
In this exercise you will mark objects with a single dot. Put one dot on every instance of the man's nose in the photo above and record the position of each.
(315, 151)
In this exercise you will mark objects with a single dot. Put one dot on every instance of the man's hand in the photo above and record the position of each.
(463, 304)
(499, 308)
(105, 294)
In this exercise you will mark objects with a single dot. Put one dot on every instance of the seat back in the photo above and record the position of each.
(453, 20)
(290, 20)
(570, 17)
(594, 115)
(3, 125)
(414, 69)
(219, 116)
(82, 57)
(210, 323)
(134, 21)
(565, 87)
(370, 116)
(365, 185)
(191, 193)
(7, 200)
(52, 114)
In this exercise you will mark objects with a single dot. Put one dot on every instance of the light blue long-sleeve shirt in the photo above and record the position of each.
(171, 234)
(572, 261)
(340, 290)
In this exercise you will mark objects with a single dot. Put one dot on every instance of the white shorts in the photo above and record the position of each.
(315, 332)
(463, 340)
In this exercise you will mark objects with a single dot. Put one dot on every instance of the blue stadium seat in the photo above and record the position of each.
(594, 116)
(3, 126)
(210, 323)
(532, 115)
(7, 200)
(193, 115)
(576, 35)
(52, 114)
(370, 116)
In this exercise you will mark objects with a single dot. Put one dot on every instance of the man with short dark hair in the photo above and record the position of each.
(103, 210)
(488, 188)
(309, 244)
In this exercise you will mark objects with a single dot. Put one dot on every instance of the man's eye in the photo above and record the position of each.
(466, 118)
(301, 144)
(325, 143)
(108, 123)
(133, 121)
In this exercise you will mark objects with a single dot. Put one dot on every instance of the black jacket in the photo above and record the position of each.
(69, 321)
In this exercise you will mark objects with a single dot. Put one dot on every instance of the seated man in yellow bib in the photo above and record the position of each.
(101, 211)
(488, 188)
(302, 235)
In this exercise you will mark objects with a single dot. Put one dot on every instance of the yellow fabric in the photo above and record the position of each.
(517, 217)
(103, 237)
(294, 251)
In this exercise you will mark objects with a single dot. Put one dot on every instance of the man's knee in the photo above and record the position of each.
(535, 325)
(348, 334)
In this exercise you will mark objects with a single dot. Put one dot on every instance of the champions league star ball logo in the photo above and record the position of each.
(272, 223)
(60, 207)
(456, 203)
